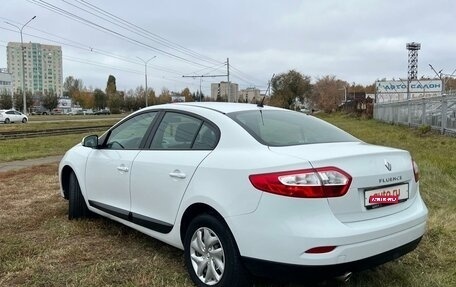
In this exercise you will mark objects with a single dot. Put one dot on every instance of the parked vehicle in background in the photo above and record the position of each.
(40, 110)
(102, 112)
(249, 189)
(12, 116)
(57, 111)
(87, 112)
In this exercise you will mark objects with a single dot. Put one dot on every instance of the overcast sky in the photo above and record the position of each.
(355, 40)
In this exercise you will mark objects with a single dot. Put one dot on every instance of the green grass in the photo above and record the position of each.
(434, 261)
(28, 148)
(58, 124)
(40, 247)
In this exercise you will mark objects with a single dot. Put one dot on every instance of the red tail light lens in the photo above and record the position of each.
(321, 249)
(307, 183)
(416, 171)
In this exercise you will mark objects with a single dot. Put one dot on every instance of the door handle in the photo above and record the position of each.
(122, 168)
(177, 174)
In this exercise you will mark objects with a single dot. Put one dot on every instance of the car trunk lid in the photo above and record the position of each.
(374, 170)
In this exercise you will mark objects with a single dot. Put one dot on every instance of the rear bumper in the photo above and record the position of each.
(270, 269)
(282, 230)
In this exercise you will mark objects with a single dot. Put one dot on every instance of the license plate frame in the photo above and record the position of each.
(399, 190)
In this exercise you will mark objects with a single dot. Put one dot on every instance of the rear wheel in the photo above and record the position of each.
(7, 121)
(211, 254)
(77, 207)
(24, 120)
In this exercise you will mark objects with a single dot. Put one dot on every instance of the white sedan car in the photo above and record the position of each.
(12, 116)
(248, 189)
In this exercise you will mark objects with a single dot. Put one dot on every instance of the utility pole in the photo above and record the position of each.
(213, 76)
(201, 78)
(145, 76)
(23, 65)
(228, 76)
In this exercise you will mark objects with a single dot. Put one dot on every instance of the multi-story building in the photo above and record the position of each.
(42, 66)
(249, 95)
(220, 90)
(6, 82)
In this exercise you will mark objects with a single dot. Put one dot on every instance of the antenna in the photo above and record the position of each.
(260, 104)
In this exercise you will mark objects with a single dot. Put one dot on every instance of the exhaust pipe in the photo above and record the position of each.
(344, 278)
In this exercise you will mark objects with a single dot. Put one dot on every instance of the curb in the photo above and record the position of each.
(20, 164)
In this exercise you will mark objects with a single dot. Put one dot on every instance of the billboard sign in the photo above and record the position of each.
(416, 86)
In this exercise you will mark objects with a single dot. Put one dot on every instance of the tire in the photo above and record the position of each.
(24, 120)
(77, 207)
(7, 121)
(217, 263)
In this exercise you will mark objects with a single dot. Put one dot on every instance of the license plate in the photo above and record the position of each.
(386, 195)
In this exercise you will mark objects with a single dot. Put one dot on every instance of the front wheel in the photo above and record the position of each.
(211, 255)
(24, 120)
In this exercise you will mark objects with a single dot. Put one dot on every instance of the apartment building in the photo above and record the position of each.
(249, 95)
(6, 82)
(220, 90)
(42, 67)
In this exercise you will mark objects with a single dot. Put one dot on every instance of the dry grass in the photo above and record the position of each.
(40, 247)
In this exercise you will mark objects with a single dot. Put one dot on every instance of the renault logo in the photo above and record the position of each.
(388, 165)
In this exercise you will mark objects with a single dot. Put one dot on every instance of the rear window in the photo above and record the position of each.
(286, 128)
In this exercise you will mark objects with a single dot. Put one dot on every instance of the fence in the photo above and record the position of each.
(437, 112)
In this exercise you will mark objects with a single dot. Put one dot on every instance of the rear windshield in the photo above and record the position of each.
(286, 128)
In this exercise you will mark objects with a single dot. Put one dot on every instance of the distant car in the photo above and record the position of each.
(12, 116)
(40, 110)
(241, 186)
(102, 112)
(57, 111)
(87, 112)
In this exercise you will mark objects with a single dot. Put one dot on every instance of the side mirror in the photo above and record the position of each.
(90, 141)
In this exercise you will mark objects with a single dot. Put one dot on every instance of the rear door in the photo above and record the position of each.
(161, 174)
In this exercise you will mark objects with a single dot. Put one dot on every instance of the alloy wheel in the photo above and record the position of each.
(207, 256)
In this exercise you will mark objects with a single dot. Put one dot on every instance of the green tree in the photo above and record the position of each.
(18, 98)
(99, 97)
(72, 87)
(113, 97)
(165, 96)
(151, 98)
(6, 100)
(289, 87)
(50, 100)
(198, 96)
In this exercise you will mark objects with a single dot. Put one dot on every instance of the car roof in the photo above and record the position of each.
(221, 107)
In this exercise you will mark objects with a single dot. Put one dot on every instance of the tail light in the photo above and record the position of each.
(307, 183)
(416, 171)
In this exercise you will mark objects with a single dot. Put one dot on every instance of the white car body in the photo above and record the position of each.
(12, 116)
(164, 188)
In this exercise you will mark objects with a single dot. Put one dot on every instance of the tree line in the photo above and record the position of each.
(96, 99)
(291, 90)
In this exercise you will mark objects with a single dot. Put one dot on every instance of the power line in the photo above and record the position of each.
(95, 50)
(156, 37)
(102, 28)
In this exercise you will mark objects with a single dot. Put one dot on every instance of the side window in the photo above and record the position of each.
(130, 133)
(176, 131)
(206, 139)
